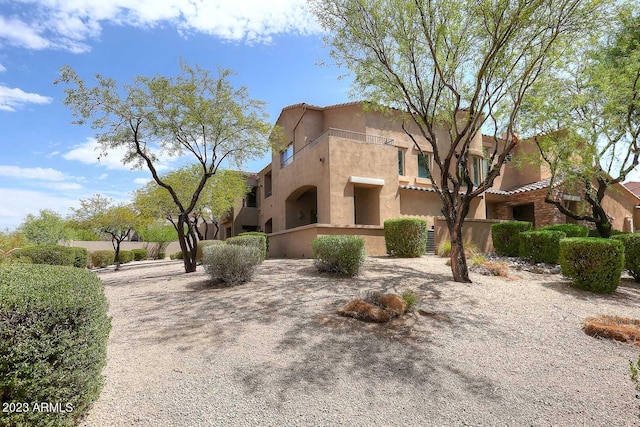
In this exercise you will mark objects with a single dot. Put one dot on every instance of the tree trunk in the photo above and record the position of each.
(116, 259)
(455, 216)
(188, 253)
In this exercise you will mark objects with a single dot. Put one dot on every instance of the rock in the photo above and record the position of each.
(362, 310)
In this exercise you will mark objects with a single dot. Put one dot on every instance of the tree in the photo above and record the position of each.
(586, 119)
(194, 114)
(461, 66)
(48, 228)
(115, 220)
(160, 234)
(216, 198)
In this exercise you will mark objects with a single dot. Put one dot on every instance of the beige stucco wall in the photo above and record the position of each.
(296, 243)
(101, 245)
(477, 231)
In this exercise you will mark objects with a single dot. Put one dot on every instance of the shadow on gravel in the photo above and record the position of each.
(627, 292)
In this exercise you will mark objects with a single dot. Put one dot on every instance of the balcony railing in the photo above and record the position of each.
(361, 138)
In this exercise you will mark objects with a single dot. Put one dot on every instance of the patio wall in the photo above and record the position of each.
(477, 231)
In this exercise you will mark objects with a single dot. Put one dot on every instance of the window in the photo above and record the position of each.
(250, 200)
(424, 165)
(477, 170)
(400, 161)
(286, 156)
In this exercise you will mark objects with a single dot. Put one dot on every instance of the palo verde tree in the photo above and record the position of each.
(461, 66)
(47, 228)
(117, 221)
(195, 114)
(585, 119)
(216, 197)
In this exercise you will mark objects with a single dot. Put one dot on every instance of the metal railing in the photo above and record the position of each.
(362, 138)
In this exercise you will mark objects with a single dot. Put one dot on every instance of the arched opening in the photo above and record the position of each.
(268, 226)
(302, 207)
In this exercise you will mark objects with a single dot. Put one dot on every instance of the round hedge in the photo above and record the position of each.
(339, 254)
(571, 230)
(54, 329)
(258, 241)
(48, 254)
(593, 263)
(505, 236)
(541, 245)
(405, 237)
(631, 244)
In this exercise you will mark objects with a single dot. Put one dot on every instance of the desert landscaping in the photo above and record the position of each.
(274, 351)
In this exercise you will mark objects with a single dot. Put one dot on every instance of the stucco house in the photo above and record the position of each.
(346, 169)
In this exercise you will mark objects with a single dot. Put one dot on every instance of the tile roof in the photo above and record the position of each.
(539, 185)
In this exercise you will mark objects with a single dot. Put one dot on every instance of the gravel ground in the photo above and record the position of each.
(272, 352)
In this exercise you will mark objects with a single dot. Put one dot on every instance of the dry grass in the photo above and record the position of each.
(617, 328)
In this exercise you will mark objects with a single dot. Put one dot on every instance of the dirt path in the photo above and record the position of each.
(273, 351)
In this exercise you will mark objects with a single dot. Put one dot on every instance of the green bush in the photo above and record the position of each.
(48, 254)
(405, 237)
(161, 255)
(176, 255)
(631, 244)
(505, 235)
(230, 264)
(259, 242)
(571, 230)
(257, 233)
(339, 254)
(125, 256)
(139, 254)
(594, 264)
(100, 259)
(203, 244)
(80, 257)
(53, 340)
(541, 245)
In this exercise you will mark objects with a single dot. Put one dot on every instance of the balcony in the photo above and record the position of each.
(348, 135)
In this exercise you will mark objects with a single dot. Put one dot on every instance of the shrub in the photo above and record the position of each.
(125, 256)
(48, 254)
(176, 255)
(505, 235)
(594, 264)
(203, 244)
(541, 246)
(139, 254)
(230, 264)
(405, 237)
(53, 339)
(470, 249)
(161, 255)
(257, 233)
(80, 257)
(410, 297)
(259, 242)
(100, 259)
(339, 254)
(571, 230)
(631, 244)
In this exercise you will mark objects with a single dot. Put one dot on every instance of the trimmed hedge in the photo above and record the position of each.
(81, 257)
(203, 244)
(405, 237)
(125, 256)
(176, 255)
(139, 254)
(505, 235)
(104, 258)
(541, 245)
(230, 264)
(53, 341)
(339, 254)
(571, 230)
(48, 254)
(256, 241)
(593, 263)
(257, 233)
(631, 244)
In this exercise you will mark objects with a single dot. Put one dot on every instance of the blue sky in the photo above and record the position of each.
(46, 162)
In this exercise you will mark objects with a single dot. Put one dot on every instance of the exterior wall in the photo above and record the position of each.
(296, 243)
(477, 231)
(545, 213)
(620, 207)
(102, 245)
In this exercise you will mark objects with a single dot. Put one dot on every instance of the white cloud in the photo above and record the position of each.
(104, 176)
(2, 68)
(27, 201)
(52, 154)
(44, 174)
(141, 181)
(90, 153)
(11, 98)
(65, 24)
(62, 186)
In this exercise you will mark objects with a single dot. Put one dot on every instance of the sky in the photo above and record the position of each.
(46, 162)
